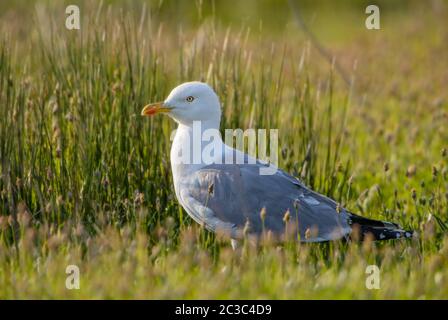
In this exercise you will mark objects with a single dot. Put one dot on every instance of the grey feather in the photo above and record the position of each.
(223, 197)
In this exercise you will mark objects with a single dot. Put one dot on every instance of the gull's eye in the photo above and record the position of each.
(190, 99)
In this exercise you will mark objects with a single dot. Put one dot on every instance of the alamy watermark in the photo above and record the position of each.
(373, 278)
(373, 20)
(72, 282)
(205, 147)
(72, 21)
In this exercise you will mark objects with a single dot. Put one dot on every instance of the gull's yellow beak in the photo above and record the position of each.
(154, 108)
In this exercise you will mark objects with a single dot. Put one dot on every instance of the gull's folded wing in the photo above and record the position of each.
(229, 195)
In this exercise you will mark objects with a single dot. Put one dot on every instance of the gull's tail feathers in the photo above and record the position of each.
(376, 229)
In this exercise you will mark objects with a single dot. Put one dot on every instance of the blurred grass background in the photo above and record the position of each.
(86, 181)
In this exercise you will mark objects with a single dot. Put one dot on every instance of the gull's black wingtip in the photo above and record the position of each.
(377, 230)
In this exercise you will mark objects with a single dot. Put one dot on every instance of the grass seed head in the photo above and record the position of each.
(308, 233)
(350, 180)
(10, 220)
(210, 188)
(296, 204)
(410, 172)
(105, 181)
(48, 207)
(287, 216)
(284, 153)
(263, 213)
(59, 201)
(58, 151)
(69, 117)
(246, 229)
(435, 172)
(339, 167)
(54, 107)
(3, 222)
(24, 218)
(338, 208)
(139, 198)
(414, 194)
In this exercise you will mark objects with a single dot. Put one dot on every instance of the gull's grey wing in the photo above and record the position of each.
(204, 215)
(228, 195)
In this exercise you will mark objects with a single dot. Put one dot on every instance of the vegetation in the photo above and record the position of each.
(86, 181)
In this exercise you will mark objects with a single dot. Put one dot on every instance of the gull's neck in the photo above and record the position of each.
(188, 138)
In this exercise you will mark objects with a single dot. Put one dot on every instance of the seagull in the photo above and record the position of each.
(234, 198)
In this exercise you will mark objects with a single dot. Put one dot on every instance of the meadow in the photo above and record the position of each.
(86, 181)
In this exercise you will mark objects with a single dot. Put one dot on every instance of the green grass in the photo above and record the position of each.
(85, 180)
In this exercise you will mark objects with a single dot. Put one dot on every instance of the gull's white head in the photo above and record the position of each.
(188, 102)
